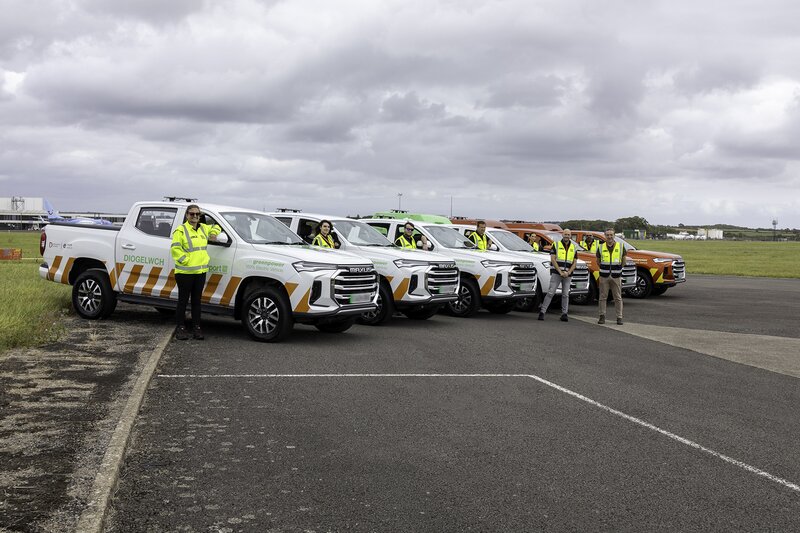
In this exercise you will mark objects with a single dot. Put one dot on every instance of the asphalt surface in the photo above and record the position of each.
(240, 436)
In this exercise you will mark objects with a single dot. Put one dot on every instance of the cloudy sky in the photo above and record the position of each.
(677, 111)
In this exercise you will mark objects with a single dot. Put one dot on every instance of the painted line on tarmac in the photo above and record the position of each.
(776, 354)
(93, 516)
(730, 460)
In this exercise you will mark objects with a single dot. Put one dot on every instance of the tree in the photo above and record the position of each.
(631, 223)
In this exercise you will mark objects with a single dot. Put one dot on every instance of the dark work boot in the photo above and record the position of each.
(602, 319)
(197, 333)
(564, 318)
(619, 321)
(181, 334)
(541, 316)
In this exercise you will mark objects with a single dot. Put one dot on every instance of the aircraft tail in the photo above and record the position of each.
(52, 213)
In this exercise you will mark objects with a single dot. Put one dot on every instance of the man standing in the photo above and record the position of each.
(611, 256)
(562, 265)
(479, 237)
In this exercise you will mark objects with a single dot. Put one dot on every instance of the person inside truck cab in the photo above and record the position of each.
(406, 240)
(535, 241)
(189, 244)
(589, 243)
(479, 237)
(324, 237)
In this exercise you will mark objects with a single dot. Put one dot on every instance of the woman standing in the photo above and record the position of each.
(324, 238)
(189, 244)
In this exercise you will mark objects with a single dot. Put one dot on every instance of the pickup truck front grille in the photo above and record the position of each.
(355, 288)
(442, 280)
(629, 276)
(522, 278)
(679, 270)
(580, 280)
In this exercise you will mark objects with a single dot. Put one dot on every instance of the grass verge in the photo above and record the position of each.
(733, 258)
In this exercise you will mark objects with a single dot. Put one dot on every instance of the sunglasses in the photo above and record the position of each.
(194, 213)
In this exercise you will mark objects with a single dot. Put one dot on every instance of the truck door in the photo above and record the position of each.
(221, 284)
(143, 260)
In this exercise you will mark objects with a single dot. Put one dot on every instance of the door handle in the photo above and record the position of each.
(129, 246)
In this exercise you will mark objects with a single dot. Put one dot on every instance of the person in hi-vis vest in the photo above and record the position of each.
(406, 240)
(535, 240)
(479, 237)
(590, 244)
(324, 238)
(562, 265)
(189, 244)
(611, 257)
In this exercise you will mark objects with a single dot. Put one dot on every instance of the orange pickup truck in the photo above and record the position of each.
(523, 230)
(655, 271)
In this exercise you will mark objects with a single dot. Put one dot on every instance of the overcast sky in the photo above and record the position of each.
(677, 111)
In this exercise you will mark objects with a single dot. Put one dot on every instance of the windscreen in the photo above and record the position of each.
(360, 234)
(449, 237)
(510, 241)
(258, 228)
(626, 244)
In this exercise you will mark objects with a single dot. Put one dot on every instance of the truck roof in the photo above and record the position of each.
(473, 221)
(208, 205)
(419, 217)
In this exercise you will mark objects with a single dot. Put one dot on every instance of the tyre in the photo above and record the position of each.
(469, 299)
(658, 290)
(589, 297)
(529, 305)
(644, 285)
(266, 314)
(92, 296)
(338, 326)
(385, 307)
(500, 308)
(423, 313)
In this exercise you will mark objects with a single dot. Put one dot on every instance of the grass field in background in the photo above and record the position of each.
(733, 258)
(27, 240)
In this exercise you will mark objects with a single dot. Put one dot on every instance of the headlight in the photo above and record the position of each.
(546, 264)
(410, 263)
(488, 263)
(308, 266)
(662, 260)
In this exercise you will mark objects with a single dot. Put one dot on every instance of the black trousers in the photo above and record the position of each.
(189, 285)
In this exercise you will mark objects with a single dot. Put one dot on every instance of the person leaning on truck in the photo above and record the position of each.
(611, 257)
(406, 240)
(589, 243)
(479, 237)
(189, 250)
(324, 238)
(562, 265)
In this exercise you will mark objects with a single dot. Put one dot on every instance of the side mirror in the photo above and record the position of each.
(493, 247)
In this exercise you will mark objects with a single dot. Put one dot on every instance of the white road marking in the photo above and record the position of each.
(730, 460)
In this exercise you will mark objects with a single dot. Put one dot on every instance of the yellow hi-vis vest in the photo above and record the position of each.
(402, 242)
(565, 255)
(324, 242)
(189, 247)
(610, 260)
(590, 247)
(481, 242)
(535, 246)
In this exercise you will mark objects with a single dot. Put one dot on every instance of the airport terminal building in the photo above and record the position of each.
(25, 213)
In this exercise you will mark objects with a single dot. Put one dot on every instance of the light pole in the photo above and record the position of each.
(399, 201)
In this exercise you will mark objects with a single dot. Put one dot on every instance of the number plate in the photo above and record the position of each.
(360, 298)
(447, 289)
(526, 287)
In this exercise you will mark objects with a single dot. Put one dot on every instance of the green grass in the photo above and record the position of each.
(733, 258)
(31, 307)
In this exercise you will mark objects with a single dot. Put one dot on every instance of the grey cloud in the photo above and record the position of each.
(409, 108)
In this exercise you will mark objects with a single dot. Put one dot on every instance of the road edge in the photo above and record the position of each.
(93, 517)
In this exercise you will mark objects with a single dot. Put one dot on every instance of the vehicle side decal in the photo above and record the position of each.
(230, 290)
(211, 287)
(488, 286)
(402, 288)
(169, 286)
(290, 287)
(152, 279)
(389, 279)
(303, 306)
(51, 274)
(653, 272)
(132, 279)
(65, 275)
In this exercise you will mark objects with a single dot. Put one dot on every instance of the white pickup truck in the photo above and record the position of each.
(507, 242)
(414, 282)
(260, 272)
(492, 280)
